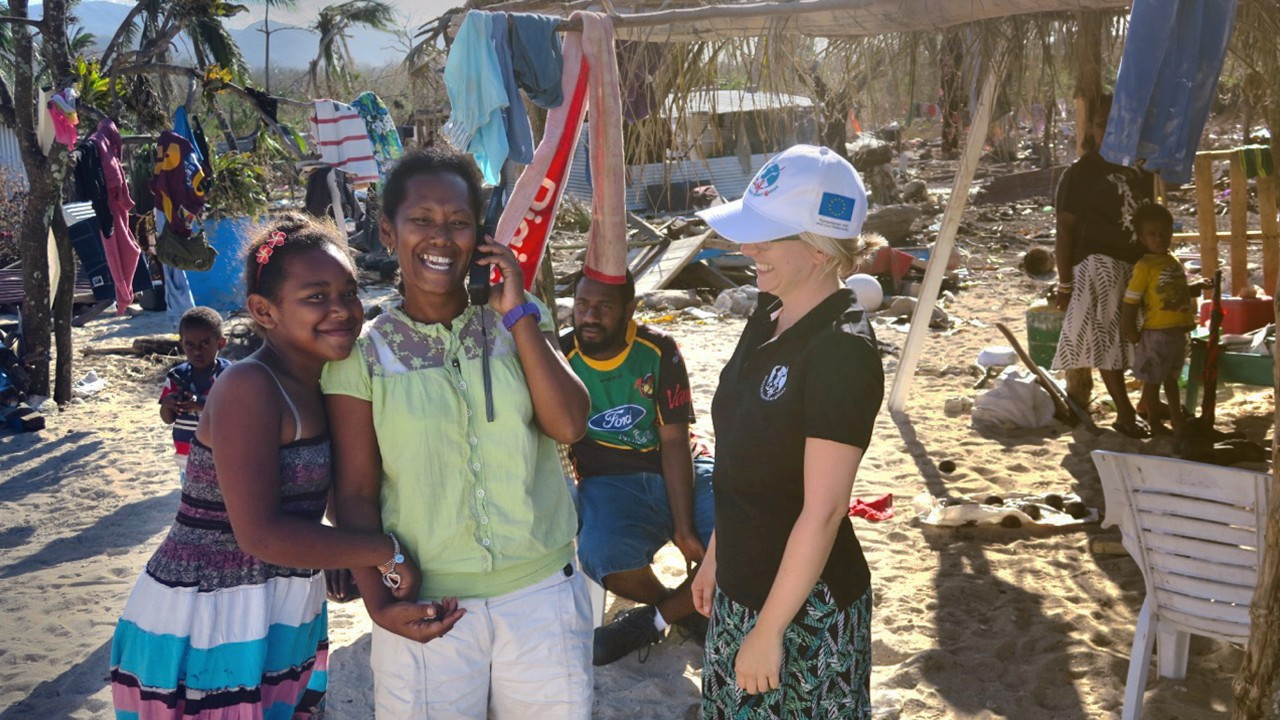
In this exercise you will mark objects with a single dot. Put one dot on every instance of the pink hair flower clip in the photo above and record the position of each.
(266, 248)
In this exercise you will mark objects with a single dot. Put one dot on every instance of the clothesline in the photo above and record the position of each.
(812, 18)
(686, 15)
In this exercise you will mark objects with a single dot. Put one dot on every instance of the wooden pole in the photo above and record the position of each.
(1267, 211)
(937, 266)
(1239, 226)
(1257, 686)
(1088, 71)
(1206, 220)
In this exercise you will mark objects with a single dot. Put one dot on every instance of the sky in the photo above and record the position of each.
(304, 12)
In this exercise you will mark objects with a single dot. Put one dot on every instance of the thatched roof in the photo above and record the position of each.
(691, 21)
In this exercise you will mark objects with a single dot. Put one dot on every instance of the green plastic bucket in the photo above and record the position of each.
(1044, 327)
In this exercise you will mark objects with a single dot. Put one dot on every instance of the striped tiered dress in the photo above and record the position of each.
(212, 632)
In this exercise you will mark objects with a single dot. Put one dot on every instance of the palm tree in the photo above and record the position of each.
(82, 43)
(333, 53)
(6, 39)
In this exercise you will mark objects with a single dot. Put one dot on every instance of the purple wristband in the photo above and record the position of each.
(514, 314)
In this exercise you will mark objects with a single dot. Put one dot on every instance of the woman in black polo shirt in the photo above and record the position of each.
(784, 580)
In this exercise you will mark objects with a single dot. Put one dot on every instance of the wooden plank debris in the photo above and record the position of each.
(670, 262)
(641, 258)
(1015, 187)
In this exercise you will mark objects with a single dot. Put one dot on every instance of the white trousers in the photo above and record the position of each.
(525, 655)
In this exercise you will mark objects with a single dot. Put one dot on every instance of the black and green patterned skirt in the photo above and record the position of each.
(826, 662)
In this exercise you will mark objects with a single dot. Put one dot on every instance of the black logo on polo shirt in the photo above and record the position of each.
(774, 384)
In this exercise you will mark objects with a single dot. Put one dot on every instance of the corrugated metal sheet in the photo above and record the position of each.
(725, 173)
(731, 101)
(11, 156)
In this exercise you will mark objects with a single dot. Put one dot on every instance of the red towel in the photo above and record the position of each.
(876, 510)
(530, 214)
(531, 211)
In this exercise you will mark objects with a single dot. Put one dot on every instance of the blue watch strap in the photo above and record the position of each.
(514, 314)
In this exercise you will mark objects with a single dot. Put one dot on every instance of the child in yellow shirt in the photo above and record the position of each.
(1159, 287)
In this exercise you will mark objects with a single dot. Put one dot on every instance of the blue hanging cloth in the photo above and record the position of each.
(1168, 76)
(182, 126)
(477, 96)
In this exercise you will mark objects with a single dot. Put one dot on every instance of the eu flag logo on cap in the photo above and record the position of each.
(836, 206)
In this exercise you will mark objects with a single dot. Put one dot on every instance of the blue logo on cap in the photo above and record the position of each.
(837, 207)
(766, 179)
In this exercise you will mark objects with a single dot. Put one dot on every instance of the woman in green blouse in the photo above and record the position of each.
(445, 421)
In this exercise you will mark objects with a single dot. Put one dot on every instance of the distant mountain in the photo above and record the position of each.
(291, 46)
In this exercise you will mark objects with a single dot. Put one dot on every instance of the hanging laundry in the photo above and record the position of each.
(122, 251)
(589, 61)
(178, 188)
(477, 96)
(339, 134)
(177, 294)
(606, 259)
(178, 183)
(515, 117)
(1167, 81)
(536, 58)
(91, 252)
(531, 210)
(86, 242)
(640, 63)
(182, 126)
(267, 104)
(202, 146)
(380, 128)
(91, 184)
(62, 110)
(189, 127)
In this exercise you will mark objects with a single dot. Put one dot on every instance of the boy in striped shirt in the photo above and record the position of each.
(188, 384)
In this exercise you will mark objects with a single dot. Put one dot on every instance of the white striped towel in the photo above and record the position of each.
(340, 134)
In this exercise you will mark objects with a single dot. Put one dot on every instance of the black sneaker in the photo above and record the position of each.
(694, 626)
(631, 630)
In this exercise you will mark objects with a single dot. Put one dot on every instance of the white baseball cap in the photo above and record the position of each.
(803, 188)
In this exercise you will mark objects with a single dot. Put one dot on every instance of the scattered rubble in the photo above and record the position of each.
(670, 299)
(738, 301)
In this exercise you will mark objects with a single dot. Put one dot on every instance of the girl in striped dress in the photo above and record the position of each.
(228, 620)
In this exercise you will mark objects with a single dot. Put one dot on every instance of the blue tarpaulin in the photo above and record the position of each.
(1168, 75)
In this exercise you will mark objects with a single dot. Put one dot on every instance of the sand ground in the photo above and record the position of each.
(968, 623)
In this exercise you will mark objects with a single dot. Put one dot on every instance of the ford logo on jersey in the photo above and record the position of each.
(617, 420)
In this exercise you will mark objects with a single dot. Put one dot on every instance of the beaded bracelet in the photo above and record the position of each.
(390, 577)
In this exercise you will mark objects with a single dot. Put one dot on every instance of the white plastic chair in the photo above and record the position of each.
(1197, 532)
